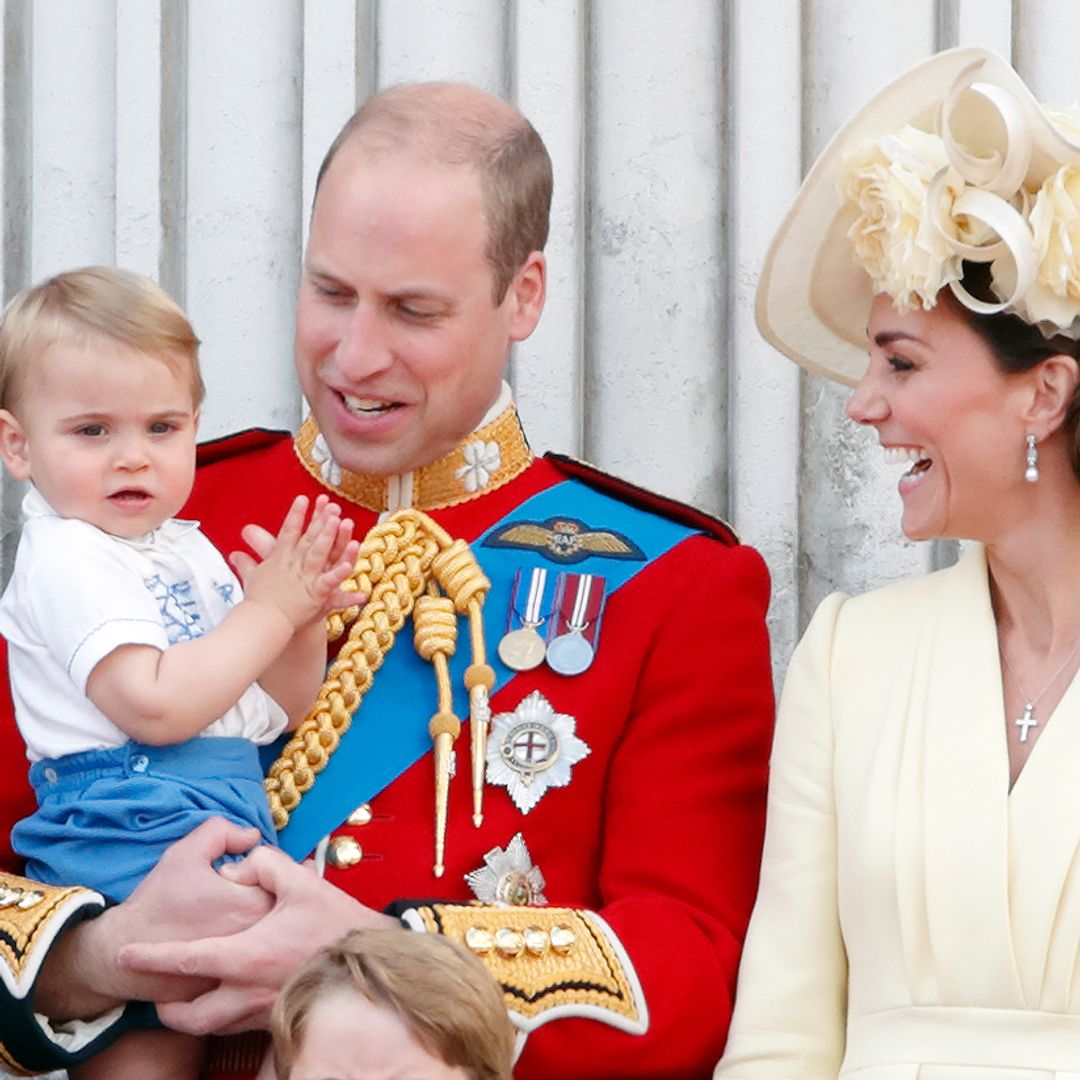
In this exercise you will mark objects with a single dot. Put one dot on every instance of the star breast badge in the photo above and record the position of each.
(531, 749)
(508, 876)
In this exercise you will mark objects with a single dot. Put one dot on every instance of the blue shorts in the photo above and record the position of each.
(105, 817)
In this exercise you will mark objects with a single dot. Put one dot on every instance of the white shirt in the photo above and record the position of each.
(78, 593)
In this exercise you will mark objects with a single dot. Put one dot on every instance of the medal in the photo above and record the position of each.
(579, 604)
(570, 654)
(532, 749)
(508, 876)
(523, 649)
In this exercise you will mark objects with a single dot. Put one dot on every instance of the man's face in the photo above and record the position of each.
(400, 347)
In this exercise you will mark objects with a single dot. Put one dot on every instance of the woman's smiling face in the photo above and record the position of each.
(941, 404)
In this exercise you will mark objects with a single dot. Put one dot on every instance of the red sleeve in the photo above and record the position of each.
(16, 796)
(685, 808)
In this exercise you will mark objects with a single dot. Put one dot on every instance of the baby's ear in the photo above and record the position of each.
(14, 446)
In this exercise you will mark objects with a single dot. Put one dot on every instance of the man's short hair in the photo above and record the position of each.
(91, 305)
(459, 125)
(443, 995)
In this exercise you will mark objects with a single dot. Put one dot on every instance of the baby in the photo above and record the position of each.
(386, 1005)
(144, 679)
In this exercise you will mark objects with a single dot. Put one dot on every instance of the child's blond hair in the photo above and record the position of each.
(96, 303)
(443, 994)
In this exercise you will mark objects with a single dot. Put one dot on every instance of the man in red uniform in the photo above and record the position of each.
(613, 660)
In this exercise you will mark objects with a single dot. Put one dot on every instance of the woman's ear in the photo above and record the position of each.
(1054, 382)
(14, 446)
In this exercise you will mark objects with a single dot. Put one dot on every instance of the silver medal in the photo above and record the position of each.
(570, 654)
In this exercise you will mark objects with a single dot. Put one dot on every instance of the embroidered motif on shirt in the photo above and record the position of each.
(565, 540)
(225, 591)
(180, 614)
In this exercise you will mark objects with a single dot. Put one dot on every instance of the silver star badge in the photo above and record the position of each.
(508, 876)
(532, 749)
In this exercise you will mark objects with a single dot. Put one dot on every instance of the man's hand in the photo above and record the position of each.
(247, 969)
(182, 898)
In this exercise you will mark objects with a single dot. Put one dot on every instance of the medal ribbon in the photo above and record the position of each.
(389, 732)
(585, 607)
(534, 614)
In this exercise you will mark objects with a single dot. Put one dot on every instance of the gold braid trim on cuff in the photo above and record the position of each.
(545, 958)
(27, 910)
(12, 1066)
(405, 566)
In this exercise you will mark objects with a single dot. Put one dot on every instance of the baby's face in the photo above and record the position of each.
(106, 433)
(349, 1038)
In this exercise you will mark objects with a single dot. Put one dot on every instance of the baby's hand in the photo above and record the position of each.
(302, 568)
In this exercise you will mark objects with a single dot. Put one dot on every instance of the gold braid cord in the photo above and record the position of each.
(408, 564)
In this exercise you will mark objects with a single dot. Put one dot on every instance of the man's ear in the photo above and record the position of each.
(1053, 384)
(527, 291)
(14, 446)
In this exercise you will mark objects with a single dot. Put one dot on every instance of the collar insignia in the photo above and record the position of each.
(492, 456)
(565, 540)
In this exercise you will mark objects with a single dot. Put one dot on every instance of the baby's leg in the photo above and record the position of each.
(146, 1055)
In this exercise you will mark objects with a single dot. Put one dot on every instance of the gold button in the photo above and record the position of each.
(509, 942)
(480, 941)
(562, 939)
(344, 852)
(536, 941)
(360, 816)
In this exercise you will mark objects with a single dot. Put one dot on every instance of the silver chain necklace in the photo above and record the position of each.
(1026, 722)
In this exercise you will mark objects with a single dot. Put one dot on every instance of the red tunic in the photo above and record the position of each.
(660, 827)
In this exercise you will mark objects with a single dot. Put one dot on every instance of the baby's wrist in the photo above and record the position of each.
(269, 609)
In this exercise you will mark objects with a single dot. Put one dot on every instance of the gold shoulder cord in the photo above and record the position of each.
(408, 564)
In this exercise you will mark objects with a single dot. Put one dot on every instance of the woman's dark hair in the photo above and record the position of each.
(1018, 345)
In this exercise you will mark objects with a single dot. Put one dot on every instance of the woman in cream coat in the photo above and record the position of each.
(919, 910)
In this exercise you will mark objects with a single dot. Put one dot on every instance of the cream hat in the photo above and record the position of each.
(889, 209)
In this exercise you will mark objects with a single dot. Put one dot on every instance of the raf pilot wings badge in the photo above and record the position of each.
(565, 540)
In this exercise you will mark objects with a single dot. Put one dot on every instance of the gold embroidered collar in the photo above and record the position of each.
(490, 457)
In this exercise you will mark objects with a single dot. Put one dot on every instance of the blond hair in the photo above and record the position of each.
(88, 305)
(445, 997)
(461, 126)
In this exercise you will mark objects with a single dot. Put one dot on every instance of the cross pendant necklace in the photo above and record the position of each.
(1026, 722)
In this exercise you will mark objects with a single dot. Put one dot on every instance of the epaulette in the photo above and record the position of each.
(240, 442)
(641, 497)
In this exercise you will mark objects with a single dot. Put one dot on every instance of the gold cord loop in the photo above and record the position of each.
(403, 563)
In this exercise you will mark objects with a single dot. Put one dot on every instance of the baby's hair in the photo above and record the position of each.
(89, 306)
(445, 997)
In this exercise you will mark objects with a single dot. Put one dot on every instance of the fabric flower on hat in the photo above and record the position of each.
(896, 240)
(1054, 216)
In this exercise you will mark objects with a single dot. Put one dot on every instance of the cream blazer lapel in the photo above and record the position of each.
(953, 796)
(1044, 841)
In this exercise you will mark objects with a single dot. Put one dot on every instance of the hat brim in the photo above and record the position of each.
(813, 299)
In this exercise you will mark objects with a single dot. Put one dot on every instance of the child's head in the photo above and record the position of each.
(99, 397)
(383, 1005)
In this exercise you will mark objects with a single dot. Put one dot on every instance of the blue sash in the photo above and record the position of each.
(389, 732)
